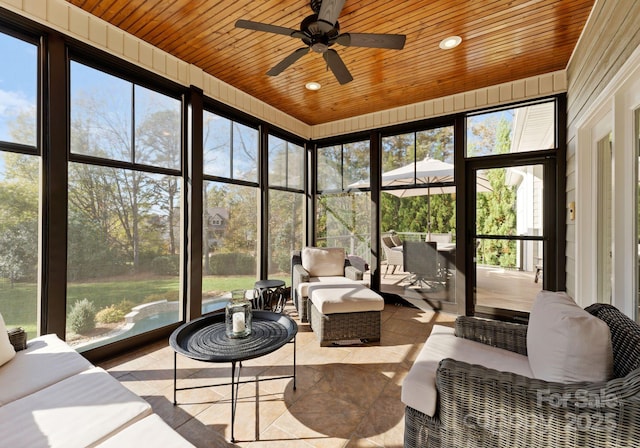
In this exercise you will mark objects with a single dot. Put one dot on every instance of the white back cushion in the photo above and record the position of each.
(565, 343)
(7, 352)
(322, 261)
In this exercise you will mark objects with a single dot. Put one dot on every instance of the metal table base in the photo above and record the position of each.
(182, 341)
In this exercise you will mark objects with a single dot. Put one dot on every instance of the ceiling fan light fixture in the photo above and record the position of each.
(319, 47)
(312, 86)
(450, 42)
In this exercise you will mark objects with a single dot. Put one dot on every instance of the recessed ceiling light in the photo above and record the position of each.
(450, 42)
(313, 85)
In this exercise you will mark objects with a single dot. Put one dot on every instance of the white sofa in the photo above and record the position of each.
(50, 396)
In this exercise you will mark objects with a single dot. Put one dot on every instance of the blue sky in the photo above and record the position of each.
(18, 80)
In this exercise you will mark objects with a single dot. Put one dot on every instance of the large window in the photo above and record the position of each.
(343, 214)
(418, 183)
(286, 205)
(418, 203)
(124, 209)
(519, 129)
(230, 209)
(230, 149)
(19, 184)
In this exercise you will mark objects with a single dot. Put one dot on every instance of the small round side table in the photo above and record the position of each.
(269, 295)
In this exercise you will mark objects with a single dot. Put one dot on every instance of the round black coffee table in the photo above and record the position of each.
(205, 339)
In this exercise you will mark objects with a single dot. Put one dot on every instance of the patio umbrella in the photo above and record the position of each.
(427, 171)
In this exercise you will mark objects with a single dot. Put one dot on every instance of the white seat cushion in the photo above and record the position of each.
(565, 343)
(79, 411)
(151, 431)
(322, 261)
(344, 298)
(419, 386)
(303, 288)
(46, 360)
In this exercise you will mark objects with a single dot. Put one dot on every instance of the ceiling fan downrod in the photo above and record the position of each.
(315, 5)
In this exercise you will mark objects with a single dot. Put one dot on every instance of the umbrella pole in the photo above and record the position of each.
(428, 214)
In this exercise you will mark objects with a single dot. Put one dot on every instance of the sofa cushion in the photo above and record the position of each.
(322, 262)
(151, 431)
(7, 352)
(79, 411)
(344, 298)
(419, 386)
(565, 343)
(46, 360)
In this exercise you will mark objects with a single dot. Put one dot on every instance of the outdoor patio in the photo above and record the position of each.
(497, 287)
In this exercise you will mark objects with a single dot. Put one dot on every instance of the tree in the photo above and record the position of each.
(19, 217)
(162, 148)
(418, 213)
(19, 254)
(496, 209)
(134, 213)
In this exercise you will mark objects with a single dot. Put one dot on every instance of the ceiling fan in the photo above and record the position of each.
(319, 32)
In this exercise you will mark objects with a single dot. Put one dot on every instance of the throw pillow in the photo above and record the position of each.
(565, 343)
(322, 261)
(7, 352)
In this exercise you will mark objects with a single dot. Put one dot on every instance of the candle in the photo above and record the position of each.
(238, 322)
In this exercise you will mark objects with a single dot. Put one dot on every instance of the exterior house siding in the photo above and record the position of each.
(610, 36)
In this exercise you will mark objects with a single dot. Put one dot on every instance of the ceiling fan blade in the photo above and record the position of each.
(257, 26)
(329, 12)
(286, 62)
(390, 41)
(340, 71)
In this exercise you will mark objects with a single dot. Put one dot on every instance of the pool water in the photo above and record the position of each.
(152, 323)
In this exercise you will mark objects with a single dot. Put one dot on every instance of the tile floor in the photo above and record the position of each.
(346, 396)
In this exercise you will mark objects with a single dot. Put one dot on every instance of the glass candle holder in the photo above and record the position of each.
(238, 315)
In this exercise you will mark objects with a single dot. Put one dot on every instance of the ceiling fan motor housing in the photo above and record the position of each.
(314, 35)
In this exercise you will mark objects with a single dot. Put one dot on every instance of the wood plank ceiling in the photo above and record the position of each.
(502, 41)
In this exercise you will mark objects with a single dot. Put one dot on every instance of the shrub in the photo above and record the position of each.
(169, 296)
(232, 264)
(114, 313)
(165, 265)
(82, 317)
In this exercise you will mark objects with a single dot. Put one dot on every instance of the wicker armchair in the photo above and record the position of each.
(299, 275)
(480, 407)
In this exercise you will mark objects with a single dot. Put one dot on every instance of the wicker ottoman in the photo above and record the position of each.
(344, 312)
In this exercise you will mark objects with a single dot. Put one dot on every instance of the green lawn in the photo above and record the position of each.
(18, 304)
